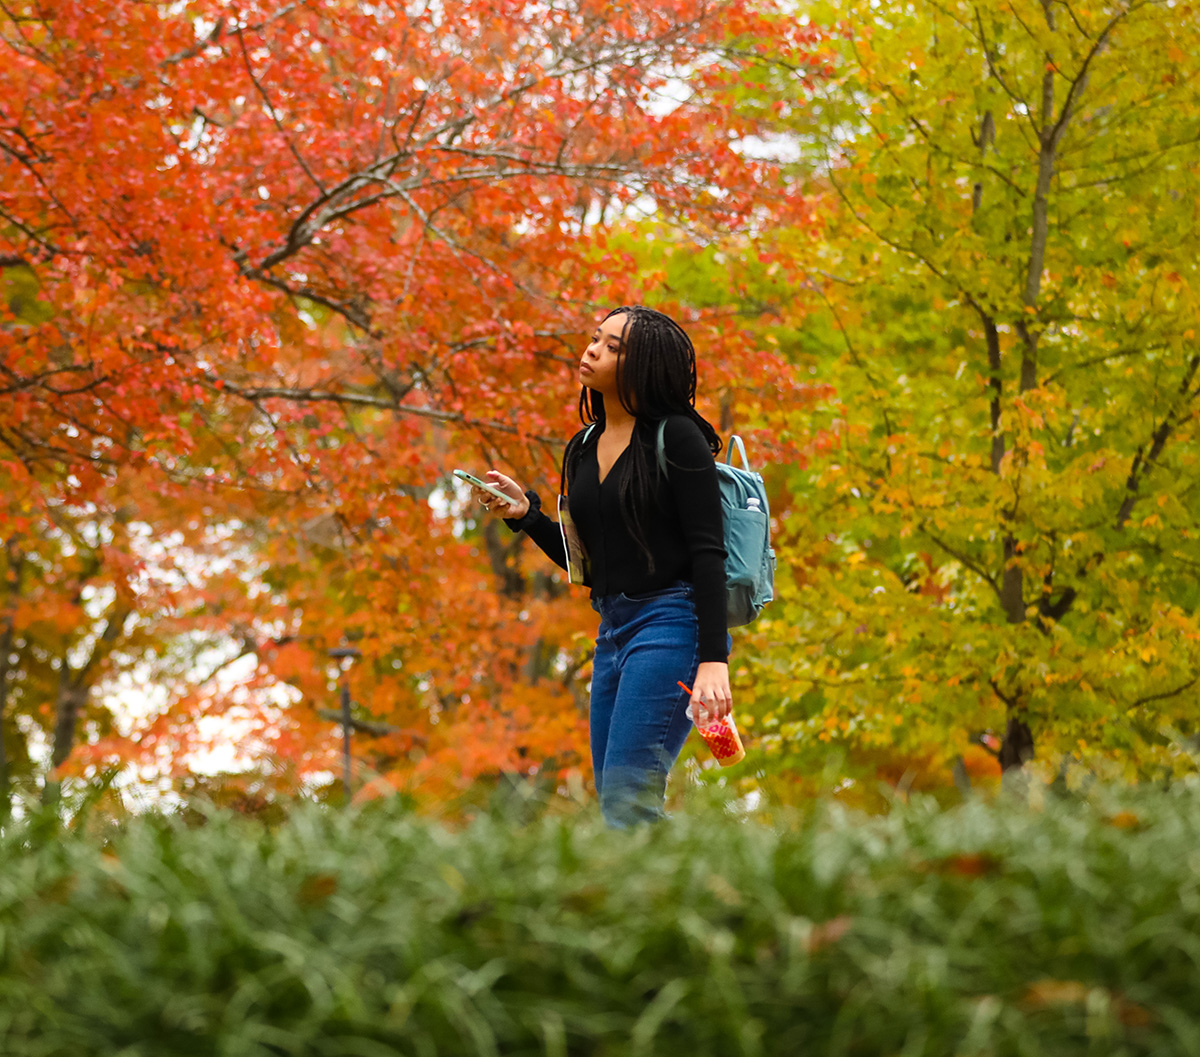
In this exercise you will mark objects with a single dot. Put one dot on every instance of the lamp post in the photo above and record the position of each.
(345, 657)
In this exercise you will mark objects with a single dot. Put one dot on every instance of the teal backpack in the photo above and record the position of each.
(749, 559)
(746, 516)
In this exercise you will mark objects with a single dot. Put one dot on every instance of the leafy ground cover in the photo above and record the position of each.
(1065, 927)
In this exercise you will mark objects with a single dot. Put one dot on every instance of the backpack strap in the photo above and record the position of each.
(586, 433)
(661, 447)
(735, 439)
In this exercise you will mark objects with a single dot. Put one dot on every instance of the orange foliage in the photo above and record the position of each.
(269, 274)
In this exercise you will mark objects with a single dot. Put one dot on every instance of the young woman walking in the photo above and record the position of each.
(649, 545)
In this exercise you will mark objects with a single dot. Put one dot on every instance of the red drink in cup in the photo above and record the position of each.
(721, 736)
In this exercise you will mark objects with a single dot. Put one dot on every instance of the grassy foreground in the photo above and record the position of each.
(983, 929)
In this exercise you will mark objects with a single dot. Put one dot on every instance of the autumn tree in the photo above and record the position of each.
(1000, 554)
(270, 272)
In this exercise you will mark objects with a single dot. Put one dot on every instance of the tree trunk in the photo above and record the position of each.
(1012, 584)
(1017, 747)
(16, 560)
(726, 411)
(6, 642)
(537, 663)
(68, 703)
(73, 690)
(502, 550)
(72, 696)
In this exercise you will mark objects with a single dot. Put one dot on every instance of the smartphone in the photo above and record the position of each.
(462, 475)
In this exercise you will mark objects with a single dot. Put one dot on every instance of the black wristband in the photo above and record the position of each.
(525, 520)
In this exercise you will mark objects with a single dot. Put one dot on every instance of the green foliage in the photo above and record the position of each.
(19, 291)
(1002, 544)
(1065, 928)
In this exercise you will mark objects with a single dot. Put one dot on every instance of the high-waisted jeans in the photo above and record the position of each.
(645, 646)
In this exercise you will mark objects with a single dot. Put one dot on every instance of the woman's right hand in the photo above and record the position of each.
(517, 507)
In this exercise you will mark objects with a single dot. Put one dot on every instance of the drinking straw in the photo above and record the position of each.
(703, 710)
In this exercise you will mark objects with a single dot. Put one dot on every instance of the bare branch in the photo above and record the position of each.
(1080, 80)
(200, 45)
(316, 396)
(274, 113)
(1093, 361)
(987, 54)
(377, 730)
(1006, 698)
(1144, 460)
(1166, 693)
(970, 563)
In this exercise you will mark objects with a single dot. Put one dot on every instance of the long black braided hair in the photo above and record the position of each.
(656, 377)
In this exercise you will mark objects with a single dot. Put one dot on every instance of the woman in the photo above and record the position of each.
(652, 552)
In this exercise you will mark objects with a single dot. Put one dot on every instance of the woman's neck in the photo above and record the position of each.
(617, 418)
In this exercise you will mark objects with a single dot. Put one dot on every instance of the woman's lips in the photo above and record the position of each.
(585, 369)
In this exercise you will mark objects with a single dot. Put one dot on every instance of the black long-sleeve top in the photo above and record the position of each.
(682, 525)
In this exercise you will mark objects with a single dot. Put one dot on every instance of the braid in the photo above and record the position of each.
(656, 377)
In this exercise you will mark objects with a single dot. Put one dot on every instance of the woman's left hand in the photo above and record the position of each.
(710, 691)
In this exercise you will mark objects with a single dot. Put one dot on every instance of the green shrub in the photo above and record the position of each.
(982, 929)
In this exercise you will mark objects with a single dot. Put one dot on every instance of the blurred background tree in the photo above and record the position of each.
(268, 275)
(998, 559)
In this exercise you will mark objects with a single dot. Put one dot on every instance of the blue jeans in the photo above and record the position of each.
(645, 645)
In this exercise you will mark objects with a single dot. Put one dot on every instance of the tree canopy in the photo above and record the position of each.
(270, 273)
(999, 555)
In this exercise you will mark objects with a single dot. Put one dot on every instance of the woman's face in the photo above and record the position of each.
(598, 367)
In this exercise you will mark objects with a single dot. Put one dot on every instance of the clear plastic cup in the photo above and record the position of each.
(721, 736)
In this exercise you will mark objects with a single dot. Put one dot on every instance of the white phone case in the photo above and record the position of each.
(471, 479)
